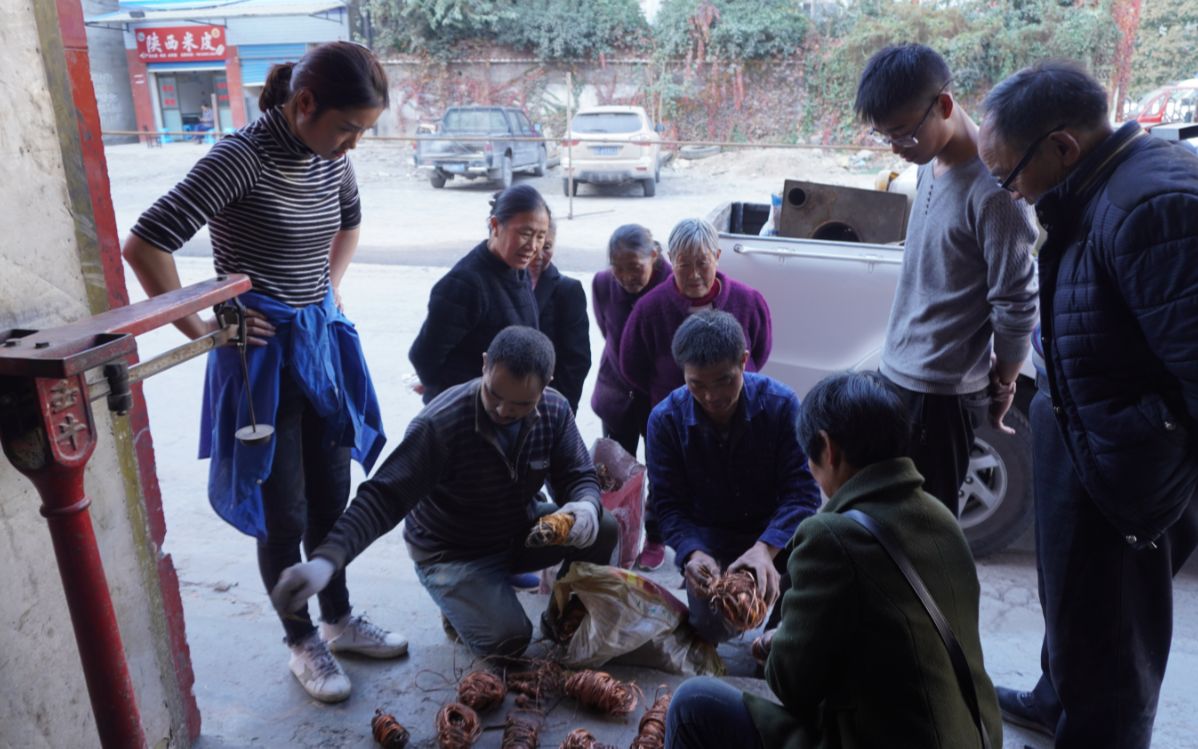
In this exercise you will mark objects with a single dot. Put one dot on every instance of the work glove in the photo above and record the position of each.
(586, 524)
(298, 583)
(700, 571)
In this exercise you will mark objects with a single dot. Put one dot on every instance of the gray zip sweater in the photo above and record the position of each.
(967, 276)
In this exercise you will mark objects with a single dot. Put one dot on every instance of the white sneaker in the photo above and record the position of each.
(357, 635)
(317, 671)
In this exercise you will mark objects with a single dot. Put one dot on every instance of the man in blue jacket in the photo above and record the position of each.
(728, 480)
(1119, 336)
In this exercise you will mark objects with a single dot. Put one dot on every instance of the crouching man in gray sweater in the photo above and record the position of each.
(466, 478)
(967, 274)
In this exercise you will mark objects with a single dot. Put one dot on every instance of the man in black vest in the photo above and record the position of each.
(1116, 438)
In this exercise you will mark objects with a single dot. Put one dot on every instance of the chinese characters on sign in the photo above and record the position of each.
(180, 43)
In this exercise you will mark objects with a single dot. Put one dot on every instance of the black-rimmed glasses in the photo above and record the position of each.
(909, 140)
(1006, 182)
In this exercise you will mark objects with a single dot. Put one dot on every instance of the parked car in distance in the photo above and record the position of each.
(835, 297)
(494, 158)
(1175, 103)
(611, 145)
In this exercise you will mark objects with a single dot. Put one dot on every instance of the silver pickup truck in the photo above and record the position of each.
(830, 302)
(498, 141)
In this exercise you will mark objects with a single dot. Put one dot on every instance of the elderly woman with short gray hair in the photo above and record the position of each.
(646, 360)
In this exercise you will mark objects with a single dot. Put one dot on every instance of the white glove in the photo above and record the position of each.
(299, 582)
(586, 524)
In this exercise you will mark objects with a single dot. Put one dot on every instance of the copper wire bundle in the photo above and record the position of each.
(481, 690)
(598, 691)
(458, 727)
(387, 731)
(735, 597)
(581, 738)
(536, 685)
(607, 482)
(651, 732)
(550, 530)
(569, 620)
(758, 650)
(521, 729)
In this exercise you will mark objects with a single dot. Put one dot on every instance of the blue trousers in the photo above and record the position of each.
(706, 713)
(1108, 608)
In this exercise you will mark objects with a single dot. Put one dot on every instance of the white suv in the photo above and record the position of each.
(611, 145)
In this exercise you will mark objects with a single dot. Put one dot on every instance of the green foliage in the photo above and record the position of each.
(555, 30)
(434, 27)
(1167, 45)
(548, 29)
(728, 30)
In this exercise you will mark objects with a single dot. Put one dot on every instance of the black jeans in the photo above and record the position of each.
(1108, 608)
(628, 432)
(306, 492)
(941, 438)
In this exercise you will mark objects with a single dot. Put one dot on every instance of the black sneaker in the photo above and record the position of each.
(1020, 709)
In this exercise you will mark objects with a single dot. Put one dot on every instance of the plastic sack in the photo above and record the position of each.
(628, 619)
(622, 487)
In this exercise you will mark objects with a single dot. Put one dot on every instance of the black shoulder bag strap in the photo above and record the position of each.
(955, 653)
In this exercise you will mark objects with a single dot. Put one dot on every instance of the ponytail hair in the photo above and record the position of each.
(277, 90)
(339, 75)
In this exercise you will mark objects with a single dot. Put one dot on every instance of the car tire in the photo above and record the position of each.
(437, 179)
(650, 186)
(504, 175)
(997, 501)
(542, 163)
(566, 186)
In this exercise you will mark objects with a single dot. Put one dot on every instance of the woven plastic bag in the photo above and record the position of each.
(622, 487)
(628, 619)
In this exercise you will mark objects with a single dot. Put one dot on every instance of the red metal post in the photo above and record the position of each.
(48, 434)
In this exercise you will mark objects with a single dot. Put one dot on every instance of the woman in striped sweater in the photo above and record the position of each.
(281, 202)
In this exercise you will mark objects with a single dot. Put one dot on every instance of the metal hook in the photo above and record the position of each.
(230, 312)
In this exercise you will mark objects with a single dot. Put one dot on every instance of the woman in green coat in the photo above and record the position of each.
(856, 660)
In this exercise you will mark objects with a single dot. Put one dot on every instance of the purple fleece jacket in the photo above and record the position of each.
(645, 357)
(613, 394)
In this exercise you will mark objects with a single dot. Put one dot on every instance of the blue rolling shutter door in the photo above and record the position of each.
(256, 59)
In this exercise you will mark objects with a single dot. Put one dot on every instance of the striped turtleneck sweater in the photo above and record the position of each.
(272, 206)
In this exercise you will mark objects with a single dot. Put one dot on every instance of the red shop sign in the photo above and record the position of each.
(180, 43)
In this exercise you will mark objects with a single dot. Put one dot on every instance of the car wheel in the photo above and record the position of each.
(566, 186)
(505, 172)
(542, 163)
(996, 498)
(650, 186)
(437, 179)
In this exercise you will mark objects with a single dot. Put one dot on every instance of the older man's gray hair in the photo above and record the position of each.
(1052, 94)
(693, 236)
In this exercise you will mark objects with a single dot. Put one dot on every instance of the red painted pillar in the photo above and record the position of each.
(143, 100)
(95, 167)
(236, 90)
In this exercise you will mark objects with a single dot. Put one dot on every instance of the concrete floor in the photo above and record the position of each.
(246, 694)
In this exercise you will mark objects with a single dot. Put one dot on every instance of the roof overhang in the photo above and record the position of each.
(212, 10)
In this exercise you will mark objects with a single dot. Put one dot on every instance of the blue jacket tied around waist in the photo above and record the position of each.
(321, 349)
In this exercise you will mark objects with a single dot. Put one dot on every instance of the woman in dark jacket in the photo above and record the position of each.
(562, 306)
(637, 267)
(486, 291)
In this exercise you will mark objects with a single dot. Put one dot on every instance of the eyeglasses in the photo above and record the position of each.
(1005, 183)
(909, 140)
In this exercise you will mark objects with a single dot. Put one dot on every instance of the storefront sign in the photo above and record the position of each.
(181, 43)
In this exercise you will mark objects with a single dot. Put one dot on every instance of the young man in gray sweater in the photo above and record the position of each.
(967, 276)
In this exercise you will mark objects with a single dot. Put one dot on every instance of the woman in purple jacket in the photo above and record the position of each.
(637, 267)
(645, 357)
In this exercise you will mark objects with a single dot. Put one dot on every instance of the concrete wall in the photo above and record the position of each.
(53, 272)
(110, 73)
